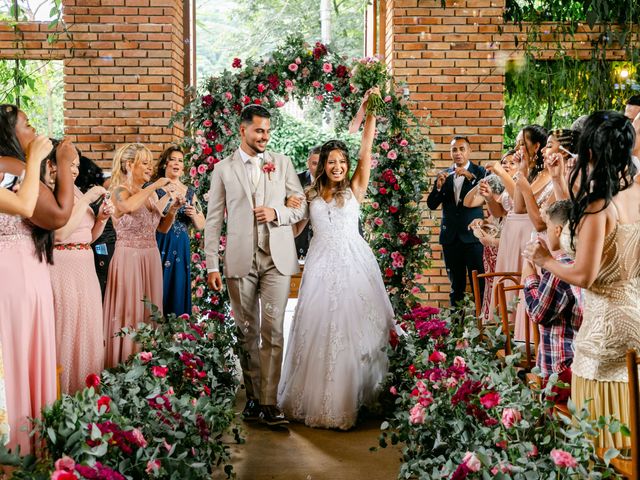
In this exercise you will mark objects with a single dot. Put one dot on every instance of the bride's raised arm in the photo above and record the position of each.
(360, 179)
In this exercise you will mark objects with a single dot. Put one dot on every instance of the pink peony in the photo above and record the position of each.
(392, 155)
(327, 68)
(510, 417)
(293, 67)
(437, 357)
(160, 371)
(490, 400)
(563, 459)
(153, 466)
(145, 356)
(417, 414)
(472, 462)
(65, 463)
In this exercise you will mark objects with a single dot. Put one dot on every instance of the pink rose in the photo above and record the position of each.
(510, 417)
(228, 95)
(166, 445)
(279, 104)
(382, 251)
(193, 171)
(138, 438)
(145, 356)
(160, 371)
(459, 362)
(490, 400)
(327, 68)
(422, 388)
(202, 168)
(451, 382)
(437, 357)
(207, 123)
(533, 452)
(199, 292)
(378, 221)
(393, 390)
(563, 459)
(374, 162)
(319, 98)
(293, 67)
(375, 205)
(472, 462)
(384, 145)
(65, 463)
(403, 143)
(153, 466)
(387, 99)
(392, 155)
(461, 344)
(417, 414)
(316, 84)
(415, 290)
(298, 61)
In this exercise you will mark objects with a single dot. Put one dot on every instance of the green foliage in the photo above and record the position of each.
(295, 138)
(460, 413)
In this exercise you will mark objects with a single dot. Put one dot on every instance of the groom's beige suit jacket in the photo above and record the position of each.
(231, 192)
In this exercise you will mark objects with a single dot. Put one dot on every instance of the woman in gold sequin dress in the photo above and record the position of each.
(604, 228)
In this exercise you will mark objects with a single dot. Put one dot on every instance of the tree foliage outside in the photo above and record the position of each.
(248, 28)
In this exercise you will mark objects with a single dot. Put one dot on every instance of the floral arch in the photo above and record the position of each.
(296, 71)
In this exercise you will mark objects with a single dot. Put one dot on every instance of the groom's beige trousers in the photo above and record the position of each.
(261, 361)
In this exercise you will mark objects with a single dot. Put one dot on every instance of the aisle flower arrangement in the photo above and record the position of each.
(299, 71)
(460, 413)
(163, 414)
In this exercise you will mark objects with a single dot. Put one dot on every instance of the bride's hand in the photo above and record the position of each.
(294, 202)
(368, 93)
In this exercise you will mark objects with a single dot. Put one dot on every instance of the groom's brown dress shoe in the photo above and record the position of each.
(251, 412)
(272, 416)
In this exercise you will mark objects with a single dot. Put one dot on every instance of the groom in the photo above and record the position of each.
(252, 185)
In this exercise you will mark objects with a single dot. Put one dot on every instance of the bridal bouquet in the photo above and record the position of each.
(370, 72)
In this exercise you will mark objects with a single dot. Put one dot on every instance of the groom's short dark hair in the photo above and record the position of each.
(250, 111)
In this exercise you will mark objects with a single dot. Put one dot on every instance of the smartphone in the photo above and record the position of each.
(11, 181)
(167, 206)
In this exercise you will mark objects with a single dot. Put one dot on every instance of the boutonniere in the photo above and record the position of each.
(269, 167)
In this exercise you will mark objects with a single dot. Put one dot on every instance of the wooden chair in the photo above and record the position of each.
(529, 361)
(501, 277)
(630, 468)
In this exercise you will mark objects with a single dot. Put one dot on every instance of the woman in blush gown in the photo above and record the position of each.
(27, 326)
(174, 246)
(604, 235)
(336, 360)
(76, 290)
(135, 272)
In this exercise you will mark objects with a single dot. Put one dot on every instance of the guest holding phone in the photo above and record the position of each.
(27, 329)
(175, 250)
(135, 272)
(76, 290)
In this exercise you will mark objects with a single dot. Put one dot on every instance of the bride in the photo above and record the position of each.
(336, 360)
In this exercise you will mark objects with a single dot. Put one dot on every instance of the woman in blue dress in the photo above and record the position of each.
(174, 245)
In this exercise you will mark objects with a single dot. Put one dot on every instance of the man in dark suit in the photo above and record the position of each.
(306, 178)
(461, 249)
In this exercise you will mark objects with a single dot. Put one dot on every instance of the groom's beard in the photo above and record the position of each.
(257, 148)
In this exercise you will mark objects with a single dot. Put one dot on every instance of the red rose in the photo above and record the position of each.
(92, 380)
(396, 186)
(104, 401)
(412, 370)
(60, 475)
(207, 150)
(257, 101)
(219, 147)
(394, 341)
(382, 190)
(328, 87)
(388, 272)
(337, 99)
(393, 209)
(237, 63)
(160, 372)
(489, 400)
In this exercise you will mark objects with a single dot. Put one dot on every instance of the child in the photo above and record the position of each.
(554, 305)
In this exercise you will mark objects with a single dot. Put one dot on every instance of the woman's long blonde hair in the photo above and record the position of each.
(321, 181)
(131, 153)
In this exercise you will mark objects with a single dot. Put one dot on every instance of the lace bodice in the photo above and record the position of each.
(611, 323)
(138, 229)
(330, 221)
(13, 227)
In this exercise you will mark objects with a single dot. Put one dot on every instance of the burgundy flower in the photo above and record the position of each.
(461, 472)
(237, 63)
(341, 71)
(106, 402)
(207, 100)
(274, 81)
(394, 341)
(319, 51)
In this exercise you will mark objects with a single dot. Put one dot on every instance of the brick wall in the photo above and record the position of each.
(453, 60)
(123, 70)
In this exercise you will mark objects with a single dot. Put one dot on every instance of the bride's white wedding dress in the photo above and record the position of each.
(336, 359)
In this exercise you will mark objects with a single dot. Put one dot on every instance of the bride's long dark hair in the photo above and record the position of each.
(321, 181)
(604, 167)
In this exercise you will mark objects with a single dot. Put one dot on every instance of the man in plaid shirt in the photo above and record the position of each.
(554, 305)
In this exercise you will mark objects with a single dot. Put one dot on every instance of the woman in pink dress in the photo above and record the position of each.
(135, 272)
(27, 331)
(76, 290)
